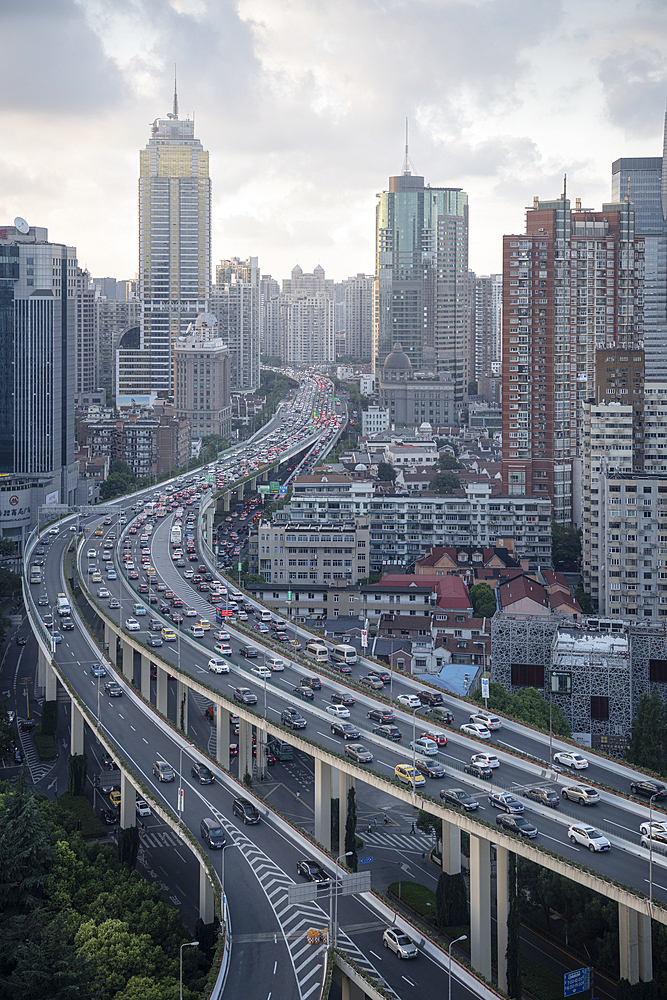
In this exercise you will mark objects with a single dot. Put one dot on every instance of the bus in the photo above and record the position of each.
(280, 749)
(35, 574)
(175, 536)
(161, 511)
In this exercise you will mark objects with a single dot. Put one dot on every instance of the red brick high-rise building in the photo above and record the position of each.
(572, 284)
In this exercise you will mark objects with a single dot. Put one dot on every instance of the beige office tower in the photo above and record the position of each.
(174, 255)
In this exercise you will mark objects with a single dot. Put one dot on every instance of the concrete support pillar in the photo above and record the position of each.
(322, 831)
(345, 783)
(480, 906)
(225, 502)
(206, 897)
(245, 748)
(51, 683)
(182, 692)
(43, 664)
(210, 514)
(145, 677)
(635, 946)
(502, 911)
(222, 736)
(76, 727)
(128, 661)
(128, 799)
(110, 641)
(253, 484)
(240, 490)
(161, 694)
(451, 848)
(260, 759)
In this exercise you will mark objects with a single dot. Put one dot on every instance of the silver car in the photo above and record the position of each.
(398, 942)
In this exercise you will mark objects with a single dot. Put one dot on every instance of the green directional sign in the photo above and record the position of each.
(264, 489)
(289, 595)
(240, 567)
(274, 487)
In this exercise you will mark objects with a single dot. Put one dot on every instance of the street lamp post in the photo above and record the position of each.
(650, 849)
(464, 937)
(334, 922)
(414, 753)
(186, 944)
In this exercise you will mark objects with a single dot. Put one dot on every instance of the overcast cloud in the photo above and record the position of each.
(302, 105)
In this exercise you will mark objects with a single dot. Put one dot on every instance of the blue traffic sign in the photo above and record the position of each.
(576, 982)
(365, 861)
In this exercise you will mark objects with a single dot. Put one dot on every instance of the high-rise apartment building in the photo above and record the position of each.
(359, 315)
(269, 317)
(174, 254)
(572, 284)
(113, 319)
(38, 286)
(236, 304)
(643, 179)
(202, 379)
(308, 283)
(86, 364)
(309, 329)
(487, 325)
(421, 269)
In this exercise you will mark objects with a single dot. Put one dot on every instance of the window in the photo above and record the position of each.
(657, 671)
(528, 675)
(561, 682)
(599, 707)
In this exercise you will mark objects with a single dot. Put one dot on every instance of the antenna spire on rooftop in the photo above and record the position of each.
(175, 95)
(407, 165)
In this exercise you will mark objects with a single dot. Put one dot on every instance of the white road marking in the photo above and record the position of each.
(145, 740)
(275, 966)
(451, 757)
(620, 825)
(122, 717)
(326, 736)
(133, 729)
(656, 886)
(385, 764)
(509, 745)
(375, 954)
(407, 981)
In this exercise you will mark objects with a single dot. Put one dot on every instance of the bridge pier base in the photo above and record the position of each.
(322, 830)
(245, 748)
(182, 691)
(222, 735)
(502, 911)
(161, 695)
(51, 683)
(635, 946)
(128, 661)
(76, 729)
(206, 896)
(128, 799)
(210, 514)
(110, 642)
(480, 906)
(451, 848)
(145, 678)
(225, 502)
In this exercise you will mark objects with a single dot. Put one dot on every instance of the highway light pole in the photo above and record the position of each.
(464, 937)
(650, 849)
(333, 920)
(414, 755)
(186, 944)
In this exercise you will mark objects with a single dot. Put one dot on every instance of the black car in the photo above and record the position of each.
(312, 682)
(281, 637)
(430, 768)
(291, 718)
(154, 625)
(246, 810)
(478, 770)
(381, 715)
(113, 689)
(21, 640)
(439, 714)
(345, 729)
(245, 695)
(164, 608)
(516, 824)
(430, 697)
(43, 601)
(459, 797)
(382, 675)
(305, 692)
(154, 640)
(66, 624)
(203, 775)
(248, 651)
(342, 698)
(312, 871)
(545, 796)
(648, 788)
(388, 732)
(108, 816)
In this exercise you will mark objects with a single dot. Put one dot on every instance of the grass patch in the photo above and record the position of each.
(540, 982)
(417, 897)
(44, 745)
(75, 809)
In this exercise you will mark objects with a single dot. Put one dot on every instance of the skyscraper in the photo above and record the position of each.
(236, 305)
(359, 315)
(421, 266)
(487, 324)
(174, 253)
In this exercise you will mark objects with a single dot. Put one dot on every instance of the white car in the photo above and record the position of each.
(410, 700)
(398, 942)
(143, 808)
(224, 648)
(485, 719)
(103, 592)
(570, 759)
(132, 625)
(425, 745)
(260, 671)
(485, 759)
(338, 710)
(222, 635)
(218, 666)
(476, 729)
(197, 631)
(588, 836)
(91, 553)
(189, 573)
(658, 827)
(190, 613)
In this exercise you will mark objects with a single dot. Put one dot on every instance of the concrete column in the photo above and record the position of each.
(145, 677)
(206, 897)
(451, 848)
(50, 687)
(345, 988)
(182, 691)
(260, 759)
(128, 799)
(43, 664)
(76, 726)
(225, 502)
(645, 944)
(222, 736)
(245, 748)
(239, 492)
(323, 803)
(210, 514)
(480, 906)
(128, 661)
(635, 945)
(265, 477)
(161, 694)
(253, 484)
(110, 641)
(502, 911)
(345, 783)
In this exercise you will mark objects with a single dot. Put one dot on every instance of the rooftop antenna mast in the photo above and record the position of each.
(407, 166)
(175, 95)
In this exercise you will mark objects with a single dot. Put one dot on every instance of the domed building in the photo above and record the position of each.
(414, 398)
(397, 366)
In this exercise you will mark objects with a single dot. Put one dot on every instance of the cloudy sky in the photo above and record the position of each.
(302, 105)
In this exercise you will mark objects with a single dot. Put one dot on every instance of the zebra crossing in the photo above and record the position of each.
(295, 920)
(202, 704)
(417, 842)
(38, 769)
(161, 838)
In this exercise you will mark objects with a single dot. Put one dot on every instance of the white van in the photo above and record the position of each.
(274, 662)
(264, 616)
(319, 652)
(343, 654)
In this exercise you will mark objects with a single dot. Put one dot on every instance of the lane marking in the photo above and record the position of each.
(133, 729)
(327, 737)
(385, 764)
(145, 740)
(375, 954)
(408, 981)
(656, 886)
(620, 825)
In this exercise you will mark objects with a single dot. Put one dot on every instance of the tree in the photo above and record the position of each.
(429, 824)
(386, 472)
(472, 388)
(584, 600)
(77, 770)
(483, 600)
(128, 846)
(50, 718)
(565, 547)
(445, 483)
(451, 901)
(648, 740)
(7, 546)
(351, 830)
(447, 462)
(513, 932)
(6, 732)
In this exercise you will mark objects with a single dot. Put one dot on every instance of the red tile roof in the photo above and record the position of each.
(519, 589)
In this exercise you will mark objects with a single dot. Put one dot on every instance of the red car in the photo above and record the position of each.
(439, 738)
(143, 588)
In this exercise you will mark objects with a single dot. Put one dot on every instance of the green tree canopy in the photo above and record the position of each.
(386, 472)
(565, 547)
(584, 600)
(648, 740)
(483, 600)
(447, 461)
(528, 705)
(445, 483)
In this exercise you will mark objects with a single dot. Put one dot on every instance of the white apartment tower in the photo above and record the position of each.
(236, 304)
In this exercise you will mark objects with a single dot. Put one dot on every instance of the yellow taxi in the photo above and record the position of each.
(114, 798)
(204, 623)
(96, 577)
(408, 774)
(98, 532)
(150, 572)
(168, 635)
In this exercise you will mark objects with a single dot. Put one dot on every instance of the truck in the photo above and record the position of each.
(62, 606)
(175, 536)
(35, 574)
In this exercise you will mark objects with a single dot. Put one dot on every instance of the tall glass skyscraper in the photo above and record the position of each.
(174, 254)
(644, 180)
(421, 265)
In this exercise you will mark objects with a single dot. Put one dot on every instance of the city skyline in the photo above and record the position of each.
(315, 123)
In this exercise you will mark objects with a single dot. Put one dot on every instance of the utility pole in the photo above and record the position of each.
(26, 681)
